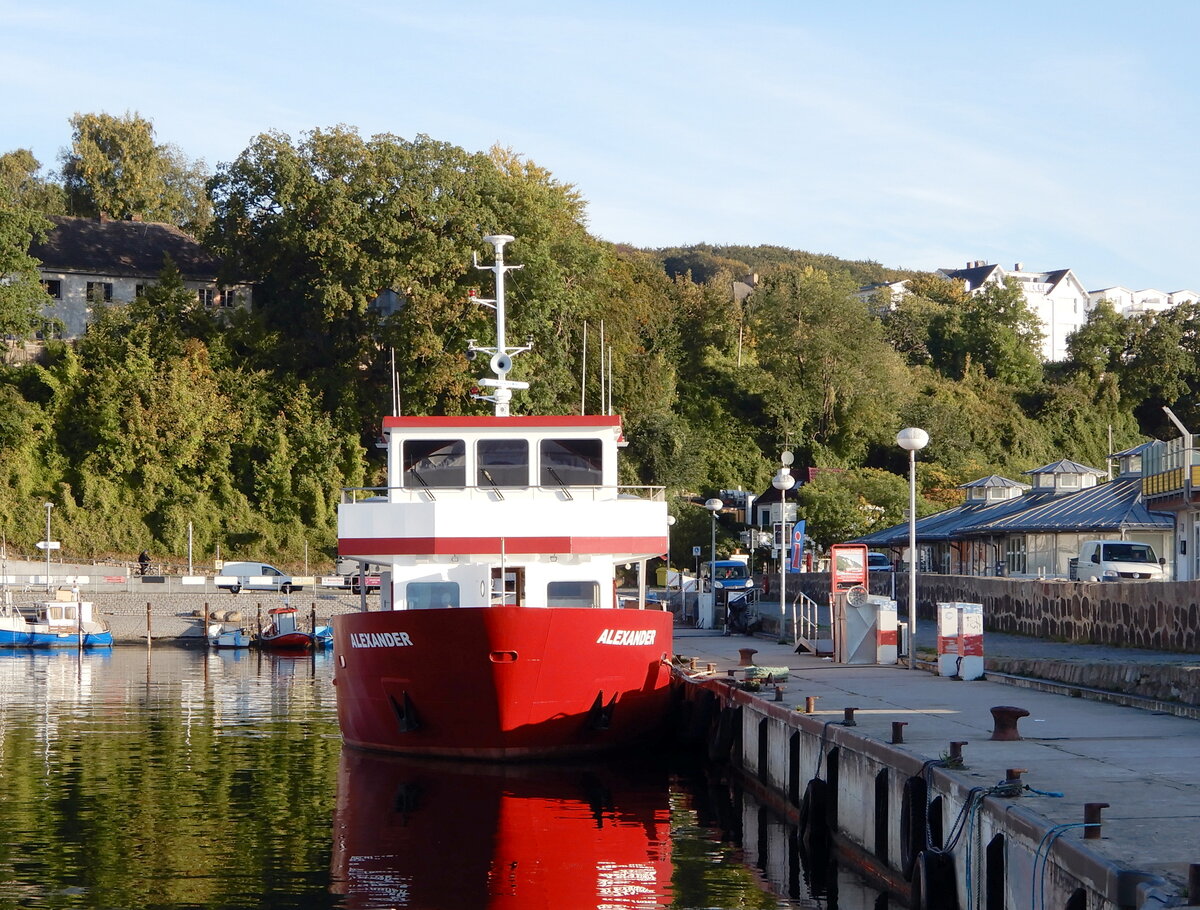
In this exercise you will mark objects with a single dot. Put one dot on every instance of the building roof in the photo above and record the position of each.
(974, 276)
(992, 481)
(1114, 506)
(1066, 466)
(122, 249)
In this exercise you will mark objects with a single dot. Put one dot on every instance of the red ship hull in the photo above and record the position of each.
(502, 683)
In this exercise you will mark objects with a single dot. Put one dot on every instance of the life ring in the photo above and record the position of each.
(914, 824)
(934, 886)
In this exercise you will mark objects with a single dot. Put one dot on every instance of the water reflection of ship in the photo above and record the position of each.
(427, 835)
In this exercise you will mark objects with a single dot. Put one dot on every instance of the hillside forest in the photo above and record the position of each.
(246, 426)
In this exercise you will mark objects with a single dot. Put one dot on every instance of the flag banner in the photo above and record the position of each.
(797, 546)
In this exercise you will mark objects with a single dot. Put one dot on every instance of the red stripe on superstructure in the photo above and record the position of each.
(588, 421)
(448, 546)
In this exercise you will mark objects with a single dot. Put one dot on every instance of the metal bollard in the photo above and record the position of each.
(1091, 817)
(898, 730)
(849, 720)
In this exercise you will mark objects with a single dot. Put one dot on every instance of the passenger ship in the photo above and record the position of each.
(501, 634)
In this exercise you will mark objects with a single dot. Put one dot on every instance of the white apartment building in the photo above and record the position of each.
(1057, 298)
(1149, 300)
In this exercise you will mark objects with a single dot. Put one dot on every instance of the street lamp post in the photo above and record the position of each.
(714, 506)
(49, 506)
(783, 481)
(912, 440)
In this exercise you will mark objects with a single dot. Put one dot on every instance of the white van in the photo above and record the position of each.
(253, 576)
(1118, 560)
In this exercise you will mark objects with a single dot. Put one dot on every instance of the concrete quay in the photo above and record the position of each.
(1022, 803)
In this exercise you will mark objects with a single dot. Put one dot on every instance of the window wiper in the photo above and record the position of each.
(421, 480)
(487, 475)
(562, 485)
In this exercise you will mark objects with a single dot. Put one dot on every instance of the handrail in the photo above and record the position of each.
(352, 495)
(805, 626)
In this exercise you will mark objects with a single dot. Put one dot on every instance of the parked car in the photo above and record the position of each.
(1117, 560)
(254, 576)
(878, 562)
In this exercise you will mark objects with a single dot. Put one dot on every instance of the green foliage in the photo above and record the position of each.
(20, 174)
(247, 426)
(842, 505)
(21, 294)
(115, 166)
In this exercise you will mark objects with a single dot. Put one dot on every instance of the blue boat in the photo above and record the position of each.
(64, 622)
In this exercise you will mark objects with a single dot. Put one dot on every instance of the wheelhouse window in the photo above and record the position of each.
(573, 594)
(431, 595)
(571, 463)
(435, 463)
(502, 463)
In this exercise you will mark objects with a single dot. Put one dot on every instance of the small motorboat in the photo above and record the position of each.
(323, 637)
(219, 636)
(283, 633)
(65, 622)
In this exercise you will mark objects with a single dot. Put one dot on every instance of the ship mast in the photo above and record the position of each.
(502, 354)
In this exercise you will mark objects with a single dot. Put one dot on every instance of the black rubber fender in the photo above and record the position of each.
(721, 739)
(934, 886)
(914, 824)
(813, 824)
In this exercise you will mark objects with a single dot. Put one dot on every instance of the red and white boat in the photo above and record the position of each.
(283, 632)
(500, 634)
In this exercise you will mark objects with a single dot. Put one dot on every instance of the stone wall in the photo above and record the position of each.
(1161, 616)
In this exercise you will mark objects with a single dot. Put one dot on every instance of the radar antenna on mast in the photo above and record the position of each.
(501, 354)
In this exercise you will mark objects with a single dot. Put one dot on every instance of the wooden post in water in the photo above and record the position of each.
(149, 625)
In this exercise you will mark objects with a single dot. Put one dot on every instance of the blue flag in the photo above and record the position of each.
(797, 546)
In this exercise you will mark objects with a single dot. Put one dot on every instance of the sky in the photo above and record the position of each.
(919, 135)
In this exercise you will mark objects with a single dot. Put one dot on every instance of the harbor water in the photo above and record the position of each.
(172, 777)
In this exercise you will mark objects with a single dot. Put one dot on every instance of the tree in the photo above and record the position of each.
(824, 372)
(994, 328)
(333, 220)
(115, 167)
(842, 505)
(20, 172)
(1099, 345)
(21, 294)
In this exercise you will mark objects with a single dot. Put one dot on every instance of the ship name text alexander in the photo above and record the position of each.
(626, 637)
(380, 640)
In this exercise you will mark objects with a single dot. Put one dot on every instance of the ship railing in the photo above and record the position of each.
(423, 494)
